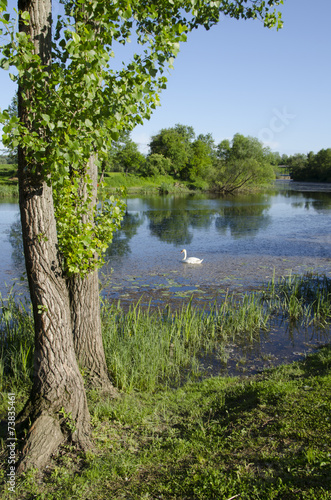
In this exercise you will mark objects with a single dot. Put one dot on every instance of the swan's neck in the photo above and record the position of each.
(184, 251)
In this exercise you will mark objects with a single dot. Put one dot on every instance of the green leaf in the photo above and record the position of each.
(25, 15)
(4, 64)
(75, 37)
(45, 117)
(127, 13)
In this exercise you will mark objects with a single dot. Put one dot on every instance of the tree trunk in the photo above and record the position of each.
(57, 405)
(58, 389)
(87, 334)
(85, 315)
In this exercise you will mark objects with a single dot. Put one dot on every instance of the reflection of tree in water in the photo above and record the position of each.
(170, 227)
(16, 241)
(175, 227)
(314, 201)
(170, 220)
(243, 220)
(120, 246)
(310, 199)
(201, 219)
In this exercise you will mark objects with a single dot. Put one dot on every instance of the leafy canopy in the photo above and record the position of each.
(242, 161)
(80, 103)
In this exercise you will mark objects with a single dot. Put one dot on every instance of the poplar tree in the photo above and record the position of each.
(72, 103)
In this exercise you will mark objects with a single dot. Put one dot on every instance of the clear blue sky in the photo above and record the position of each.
(241, 77)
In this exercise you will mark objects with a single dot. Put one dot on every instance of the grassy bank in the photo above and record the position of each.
(260, 437)
(265, 437)
(8, 181)
(161, 184)
(113, 181)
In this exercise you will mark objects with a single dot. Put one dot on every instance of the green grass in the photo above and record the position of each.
(8, 192)
(16, 345)
(259, 437)
(146, 349)
(8, 173)
(304, 298)
(143, 185)
(8, 181)
(265, 437)
(162, 184)
(149, 349)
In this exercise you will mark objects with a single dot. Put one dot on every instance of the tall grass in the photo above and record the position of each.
(151, 348)
(146, 349)
(16, 343)
(8, 191)
(305, 299)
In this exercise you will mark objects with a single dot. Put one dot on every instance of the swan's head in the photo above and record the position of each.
(184, 252)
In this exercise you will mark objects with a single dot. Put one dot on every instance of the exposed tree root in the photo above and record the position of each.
(48, 432)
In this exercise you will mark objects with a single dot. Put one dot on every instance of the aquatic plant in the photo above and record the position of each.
(16, 342)
(150, 348)
(147, 348)
(304, 298)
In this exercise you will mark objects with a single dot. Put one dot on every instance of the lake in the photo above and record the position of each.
(244, 240)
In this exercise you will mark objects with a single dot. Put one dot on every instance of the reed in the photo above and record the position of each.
(16, 343)
(146, 349)
(245, 316)
(151, 348)
(301, 298)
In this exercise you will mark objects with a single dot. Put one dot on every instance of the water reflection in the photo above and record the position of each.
(170, 228)
(120, 245)
(178, 226)
(175, 220)
(245, 237)
(12, 264)
(245, 219)
(320, 202)
(15, 239)
(230, 233)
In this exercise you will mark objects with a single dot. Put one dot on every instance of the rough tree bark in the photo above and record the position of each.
(57, 407)
(85, 315)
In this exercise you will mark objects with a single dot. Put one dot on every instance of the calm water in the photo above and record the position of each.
(11, 262)
(243, 241)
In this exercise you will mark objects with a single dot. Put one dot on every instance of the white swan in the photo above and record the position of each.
(190, 260)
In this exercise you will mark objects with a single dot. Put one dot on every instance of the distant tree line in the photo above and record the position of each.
(7, 159)
(311, 167)
(10, 157)
(197, 160)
